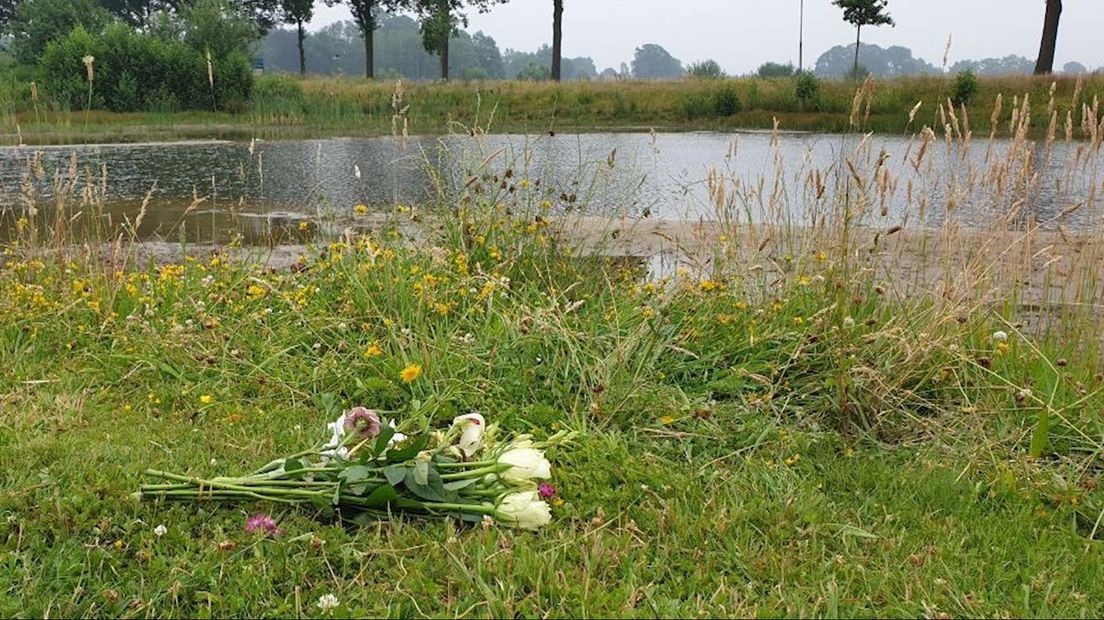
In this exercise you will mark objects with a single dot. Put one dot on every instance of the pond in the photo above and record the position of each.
(208, 188)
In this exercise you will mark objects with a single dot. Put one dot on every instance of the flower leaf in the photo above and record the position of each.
(395, 474)
(408, 452)
(381, 496)
(385, 435)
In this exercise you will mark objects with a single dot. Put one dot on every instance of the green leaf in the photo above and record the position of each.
(433, 490)
(408, 452)
(421, 472)
(395, 474)
(355, 473)
(381, 496)
(385, 435)
(456, 485)
(293, 465)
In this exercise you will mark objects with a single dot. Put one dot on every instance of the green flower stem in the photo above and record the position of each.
(218, 484)
(220, 495)
(471, 473)
(465, 464)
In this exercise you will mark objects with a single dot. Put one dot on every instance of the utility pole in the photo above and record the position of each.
(800, 36)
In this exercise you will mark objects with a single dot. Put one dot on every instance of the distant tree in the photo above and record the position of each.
(1045, 62)
(892, 61)
(557, 38)
(651, 61)
(861, 13)
(990, 67)
(298, 12)
(705, 70)
(535, 73)
(441, 19)
(37, 22)
(1074, 68)
(581, 68)
(775, 69)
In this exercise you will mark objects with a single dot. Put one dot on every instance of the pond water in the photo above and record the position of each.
(208, 186)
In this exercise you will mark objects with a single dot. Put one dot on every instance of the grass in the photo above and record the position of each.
(286, 107)
(798, 428)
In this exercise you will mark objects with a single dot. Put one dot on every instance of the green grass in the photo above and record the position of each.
(287, 107)
(805, 446)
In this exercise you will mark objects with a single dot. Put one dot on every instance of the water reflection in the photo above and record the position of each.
(200, 190)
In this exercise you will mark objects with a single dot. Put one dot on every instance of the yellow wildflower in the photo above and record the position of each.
(373, 350)
(411, 373)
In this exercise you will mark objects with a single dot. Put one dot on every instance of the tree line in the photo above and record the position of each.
(30, 25)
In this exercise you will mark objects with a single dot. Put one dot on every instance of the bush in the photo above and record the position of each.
(726, 102)
(134, 72)
(720, 103)
(705, 70)
(807, 89)
(965, 87)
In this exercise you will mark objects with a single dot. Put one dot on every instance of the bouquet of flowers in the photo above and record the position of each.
(367, 470)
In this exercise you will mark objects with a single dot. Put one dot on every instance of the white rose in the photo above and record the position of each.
(472, 426)
(524, 510)
(525, 464)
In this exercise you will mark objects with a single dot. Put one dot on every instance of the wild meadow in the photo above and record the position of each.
(281, 106)
(820, 409)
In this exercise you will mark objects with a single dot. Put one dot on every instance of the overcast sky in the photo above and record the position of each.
(742, 34)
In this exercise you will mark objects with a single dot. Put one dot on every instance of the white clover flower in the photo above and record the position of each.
(999, 336)
(524, 510)
(327, 602)
(848, 322)
(526, 463)
(160, 530)
(472, 426)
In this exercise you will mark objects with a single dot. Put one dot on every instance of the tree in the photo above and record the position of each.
(138, 13)
(1074, 68)
(651, 61)
(441, 19)
(37, 22)
(298, 12)
(534, 73)
(7, 12)
(861, 13)
(705, 70)
(557, 38)
(365, 14)
(775, 69)
(220, 27)
(893, 61)
(1045, 62)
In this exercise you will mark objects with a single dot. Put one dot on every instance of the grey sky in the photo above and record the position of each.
(742, 34)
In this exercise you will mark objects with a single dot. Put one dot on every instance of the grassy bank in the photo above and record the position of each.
(286, 107)
(797, 421)
(748, 449)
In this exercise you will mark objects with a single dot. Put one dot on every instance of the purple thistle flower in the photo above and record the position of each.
(546, 490)
(363, 421)
(262, 523)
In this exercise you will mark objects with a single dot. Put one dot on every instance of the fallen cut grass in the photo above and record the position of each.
(787, 425)
(284, 106)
